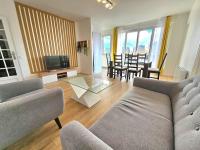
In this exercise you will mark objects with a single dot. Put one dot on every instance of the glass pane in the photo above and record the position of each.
(107, 43)
(3, 73)
(6, 54)
(9, 63)
(1, 25)
(144, 40)
(2, 64)
(12, 72)
(2, 34)
(155, 51)
(4, 45)
(121, 44)
(131, 42)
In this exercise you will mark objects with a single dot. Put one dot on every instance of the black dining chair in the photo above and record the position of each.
(119, 68)
(126, 60)
(108, 59)
(141, 60)
(133, 66)
(156, 70)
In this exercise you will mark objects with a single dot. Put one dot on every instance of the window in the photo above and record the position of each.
(131, 42)
(107, 44)
(143, 41)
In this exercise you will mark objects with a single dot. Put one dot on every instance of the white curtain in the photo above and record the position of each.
(196, 67)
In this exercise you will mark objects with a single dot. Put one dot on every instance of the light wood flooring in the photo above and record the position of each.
(47, 137)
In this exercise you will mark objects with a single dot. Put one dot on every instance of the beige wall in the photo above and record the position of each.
(192, 40)
(176, 41)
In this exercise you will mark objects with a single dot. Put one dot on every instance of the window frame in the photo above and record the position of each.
(138, 36)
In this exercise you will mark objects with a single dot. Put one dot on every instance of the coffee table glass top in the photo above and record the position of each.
(94, 85)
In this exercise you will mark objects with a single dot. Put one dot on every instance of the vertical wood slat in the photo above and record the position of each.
(45, 34)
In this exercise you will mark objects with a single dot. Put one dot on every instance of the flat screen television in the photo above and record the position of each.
(56, 62)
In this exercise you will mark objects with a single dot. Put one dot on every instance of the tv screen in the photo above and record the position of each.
(56, 62)
(52, 62)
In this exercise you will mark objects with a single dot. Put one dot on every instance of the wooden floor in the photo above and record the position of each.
(47, 137)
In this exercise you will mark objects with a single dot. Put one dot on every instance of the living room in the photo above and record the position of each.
(99, 74)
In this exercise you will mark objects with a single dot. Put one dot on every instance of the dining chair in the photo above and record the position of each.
(133, 66)
(126, 59)
(156, 70)
(141, 60)
(119, 68)
(108, 59)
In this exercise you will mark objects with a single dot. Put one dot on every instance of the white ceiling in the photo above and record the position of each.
(124, 13)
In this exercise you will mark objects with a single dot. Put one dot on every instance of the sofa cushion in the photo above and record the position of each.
(141, 120)
(186, 112)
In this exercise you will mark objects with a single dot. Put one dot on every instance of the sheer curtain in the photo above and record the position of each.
(196, 67)
(143, 37)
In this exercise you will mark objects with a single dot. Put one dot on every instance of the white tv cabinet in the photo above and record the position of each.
(54, 75)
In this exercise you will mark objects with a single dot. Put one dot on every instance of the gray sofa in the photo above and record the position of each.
(154, 115)
(25, 106)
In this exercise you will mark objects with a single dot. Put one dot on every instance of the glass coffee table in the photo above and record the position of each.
(86, 89)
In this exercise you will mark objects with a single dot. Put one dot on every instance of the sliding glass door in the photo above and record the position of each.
(131, 42)
(142, 41)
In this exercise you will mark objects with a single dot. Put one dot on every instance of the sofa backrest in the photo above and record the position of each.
(186, 113)
(10, 90)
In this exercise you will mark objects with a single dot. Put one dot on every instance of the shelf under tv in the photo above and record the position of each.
(54, 75)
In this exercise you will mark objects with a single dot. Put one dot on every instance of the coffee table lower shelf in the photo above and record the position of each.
(85, 97)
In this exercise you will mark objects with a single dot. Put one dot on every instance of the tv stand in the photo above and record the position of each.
(54, 75)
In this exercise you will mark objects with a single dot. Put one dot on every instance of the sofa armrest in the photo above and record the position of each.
(18, 88)
(22, 114)
(163, 87)
(75, 136)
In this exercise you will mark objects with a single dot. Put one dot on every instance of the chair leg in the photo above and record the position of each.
(148, 75)
(58, 123)
(158, 75)
(114, 73)
(120, 75)
(127, 76)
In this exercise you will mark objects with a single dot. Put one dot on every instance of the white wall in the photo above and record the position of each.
(176, 41)
(84, 32)
(8, 10)
(192, 40)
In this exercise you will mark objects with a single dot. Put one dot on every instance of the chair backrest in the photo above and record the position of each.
(118, 61)
(141, 58)
(163, 61)
(126, 59)
(108, 59)
(133, 61)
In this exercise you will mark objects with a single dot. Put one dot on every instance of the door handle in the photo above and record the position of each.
(13, 55)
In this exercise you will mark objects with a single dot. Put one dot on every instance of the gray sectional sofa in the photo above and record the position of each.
(154, 115)
(25, 106)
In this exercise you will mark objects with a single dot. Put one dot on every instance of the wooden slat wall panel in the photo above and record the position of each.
(45, 34)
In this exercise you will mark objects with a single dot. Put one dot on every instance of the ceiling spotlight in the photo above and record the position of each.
(109, 4)
(111, 7)
(104, 1)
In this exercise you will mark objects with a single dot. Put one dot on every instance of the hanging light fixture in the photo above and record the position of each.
(109, 4)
